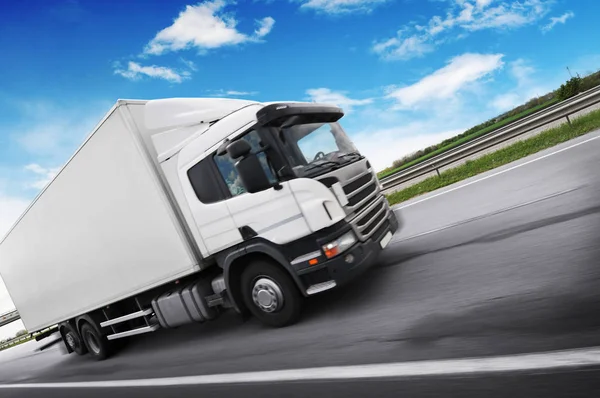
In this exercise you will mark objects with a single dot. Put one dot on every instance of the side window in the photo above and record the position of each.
(205, 182)
(226, 165)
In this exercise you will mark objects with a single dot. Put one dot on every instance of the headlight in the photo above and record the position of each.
(339, 245)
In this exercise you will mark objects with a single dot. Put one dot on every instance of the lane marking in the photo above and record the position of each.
(555, 360)
(493, 213)
(497, 173)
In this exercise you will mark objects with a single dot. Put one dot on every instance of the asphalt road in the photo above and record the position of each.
(572, 384)
(509, 264)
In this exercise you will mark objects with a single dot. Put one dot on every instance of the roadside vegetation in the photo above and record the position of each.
(20, 333)
(6, 347)
(518, 150)
(567, 90)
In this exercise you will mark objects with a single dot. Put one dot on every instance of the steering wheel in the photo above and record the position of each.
(317, 155)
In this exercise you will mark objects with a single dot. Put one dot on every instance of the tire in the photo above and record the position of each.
(97, 345)
(269, 278)
(73, 341)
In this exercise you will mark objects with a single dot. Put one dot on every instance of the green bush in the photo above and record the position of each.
(569, 89)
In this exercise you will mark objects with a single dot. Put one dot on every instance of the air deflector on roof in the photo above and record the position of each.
(280, 114)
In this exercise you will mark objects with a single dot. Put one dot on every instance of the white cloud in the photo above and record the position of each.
(231, 93)
(51, 132)
(404, 48)
(526, 88)
(445, 83)
(586, 64)
(11, 209)
(337, 98)
(341, 6)
(42, 139)
(204, 26)
(383, 146)
(483, 3)
(522, 71)
(461, 17)
(556, 20)
(237, 93)
(135, 71)
(44, 175)
(189, 64)
(265, 26)
(507, 101)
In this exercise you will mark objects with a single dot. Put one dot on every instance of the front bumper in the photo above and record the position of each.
(338, 271)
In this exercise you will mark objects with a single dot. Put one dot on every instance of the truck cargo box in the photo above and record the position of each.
(104, 229)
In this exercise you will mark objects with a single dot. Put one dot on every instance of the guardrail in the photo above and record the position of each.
(15, 341)
(9, 317)
(553, 113)
(42, 334)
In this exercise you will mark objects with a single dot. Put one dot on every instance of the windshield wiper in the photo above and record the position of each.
(321, 164)
(343, 155)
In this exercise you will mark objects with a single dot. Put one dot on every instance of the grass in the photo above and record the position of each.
(3, 347)
(468, 138)
(518, 150)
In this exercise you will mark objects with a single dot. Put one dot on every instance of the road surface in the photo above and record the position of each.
(505, 263)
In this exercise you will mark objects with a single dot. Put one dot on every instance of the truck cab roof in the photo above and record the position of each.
(174, 122)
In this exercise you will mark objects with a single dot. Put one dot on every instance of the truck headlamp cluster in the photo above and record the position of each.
(339, 245)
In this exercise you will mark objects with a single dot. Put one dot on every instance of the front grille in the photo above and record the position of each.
(363, 207)
(366, 207)
(361, 191)
(367, 217)
(362, 195)
(356, 184)
(374, 223)
(367, 221)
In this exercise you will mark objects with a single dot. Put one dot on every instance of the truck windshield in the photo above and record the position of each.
(315, 148)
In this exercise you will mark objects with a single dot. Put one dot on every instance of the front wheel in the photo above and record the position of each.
(270, 294)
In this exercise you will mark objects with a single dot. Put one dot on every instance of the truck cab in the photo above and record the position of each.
(277, 182)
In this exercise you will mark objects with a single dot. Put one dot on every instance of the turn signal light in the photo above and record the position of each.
(331, 250)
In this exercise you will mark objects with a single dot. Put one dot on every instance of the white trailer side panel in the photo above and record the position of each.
(102, 231)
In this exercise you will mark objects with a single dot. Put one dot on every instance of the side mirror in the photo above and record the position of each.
(238, 149)
(248, 166)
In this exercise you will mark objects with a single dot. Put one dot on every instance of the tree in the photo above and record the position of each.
(21, 333)
(570, 88)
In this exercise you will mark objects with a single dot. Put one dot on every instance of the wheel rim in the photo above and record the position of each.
(71, 340)
(92, 342)
(267, 295)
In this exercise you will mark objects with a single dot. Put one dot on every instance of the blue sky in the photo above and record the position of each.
(409, 73)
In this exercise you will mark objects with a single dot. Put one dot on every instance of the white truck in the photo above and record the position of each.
(174, 210)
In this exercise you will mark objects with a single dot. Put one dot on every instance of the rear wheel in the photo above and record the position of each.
(97, 344)
(270, 294)
(73, 340)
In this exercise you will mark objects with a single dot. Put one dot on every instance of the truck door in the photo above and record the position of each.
(206, 193)
(273, 214)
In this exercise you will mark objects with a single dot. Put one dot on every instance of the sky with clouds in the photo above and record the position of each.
(408, 73)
